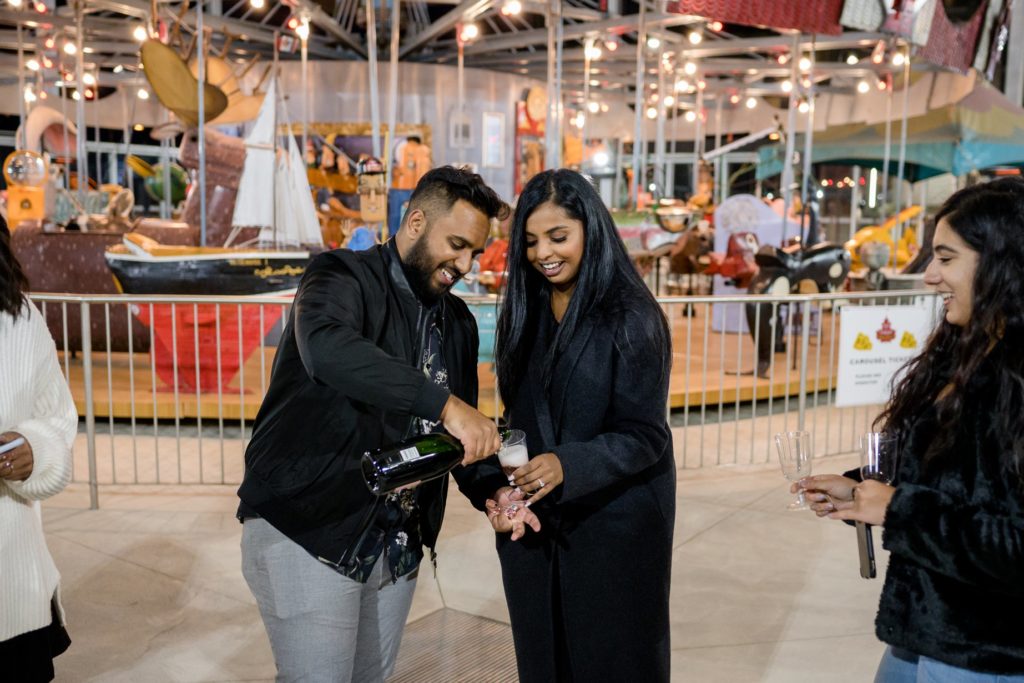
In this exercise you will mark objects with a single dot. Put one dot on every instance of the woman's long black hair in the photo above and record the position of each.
(990, 219)
(607, 280)
(13, 283)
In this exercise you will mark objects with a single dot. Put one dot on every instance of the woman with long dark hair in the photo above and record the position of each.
(583, 358)
(38, 423)
(954, 517)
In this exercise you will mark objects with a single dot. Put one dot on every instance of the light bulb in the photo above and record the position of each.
(257, 4)
(690, 68)
(140, 34)
(852, 60)
(805, 63)
(734, 99)
(695, 38)
(75, 96)
(469, 32)
(751, 102)
(302, 30)
(653, 42)
(787, 86)
(669, 100)
(593, 52)
(803, 108)
(863, 87)
(88, 79)
(14, 3)
(898, 59)
(119, 68)
(594, 106)
(32, 65)
(143, 94)
(682, 85)
(69, 48)
(512, 8)
(652, 113)
(690, 116)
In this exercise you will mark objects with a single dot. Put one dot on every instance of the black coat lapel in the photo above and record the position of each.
(564, 369)
(540, 398)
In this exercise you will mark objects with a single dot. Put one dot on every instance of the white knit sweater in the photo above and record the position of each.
(35, 402)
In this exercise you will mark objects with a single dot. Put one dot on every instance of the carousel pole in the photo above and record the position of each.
(393, 86)
(787, 166)
(560, 104)
(82, 161)
(886, 152)
(550, 120)
(638, 118)
(808, 146)
(304, 82)
(588, 47)
(21, 142)
(371, 51)
(901, 165)
(201, 63)
(698, 133)
(461, 97)
(659, 131)
(722, 167)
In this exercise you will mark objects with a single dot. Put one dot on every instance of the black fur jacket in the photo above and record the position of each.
(954, 589)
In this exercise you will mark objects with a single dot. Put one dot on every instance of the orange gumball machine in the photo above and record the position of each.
(27, 174)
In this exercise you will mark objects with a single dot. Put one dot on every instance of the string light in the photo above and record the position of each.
(787, 86)
(690, 68)
(32, 65)
(69, 48)
(653, 42)
(143, 94)
(652, 113)
(863, 87)
(140, 34)
(257, 4)
(594, 106)
(512, 8)
(695, 38)
(690, 116)
(751, 102)
(852, 59)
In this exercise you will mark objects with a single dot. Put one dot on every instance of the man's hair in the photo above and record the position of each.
(440, 188)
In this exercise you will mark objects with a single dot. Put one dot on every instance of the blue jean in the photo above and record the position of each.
(901, 666)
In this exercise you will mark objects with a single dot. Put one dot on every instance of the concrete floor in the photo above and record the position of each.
(153, 589)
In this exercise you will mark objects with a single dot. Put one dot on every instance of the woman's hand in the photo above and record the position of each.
(870, 501)
(826, 493)
(507, 511)
(15, 465)
(539, 477)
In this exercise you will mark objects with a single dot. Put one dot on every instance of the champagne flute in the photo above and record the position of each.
(513, 453)
(878, 457)
(795, 459)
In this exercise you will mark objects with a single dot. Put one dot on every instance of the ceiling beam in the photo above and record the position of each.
(465, 10)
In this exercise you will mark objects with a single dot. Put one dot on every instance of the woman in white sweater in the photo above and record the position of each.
(36, 407)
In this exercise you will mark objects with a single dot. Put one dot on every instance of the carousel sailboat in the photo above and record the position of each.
(280, 204)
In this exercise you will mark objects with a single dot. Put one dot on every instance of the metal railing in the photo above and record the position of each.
(168, 386)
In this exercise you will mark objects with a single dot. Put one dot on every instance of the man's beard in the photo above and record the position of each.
(419, 270)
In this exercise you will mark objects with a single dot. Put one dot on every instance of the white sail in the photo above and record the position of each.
(254, 203)
(303, 222)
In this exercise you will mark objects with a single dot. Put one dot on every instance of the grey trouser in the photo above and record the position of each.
(323, 626)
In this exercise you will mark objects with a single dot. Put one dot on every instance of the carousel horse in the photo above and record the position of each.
(737, 266)
(689, 255)
(781, 272)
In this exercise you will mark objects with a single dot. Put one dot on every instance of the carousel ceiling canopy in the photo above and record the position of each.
(726, 46)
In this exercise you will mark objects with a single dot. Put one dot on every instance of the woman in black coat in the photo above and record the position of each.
(954, 520)
(583, 360)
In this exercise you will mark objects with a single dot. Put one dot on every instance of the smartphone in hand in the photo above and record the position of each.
(866, 550)
(11, 445)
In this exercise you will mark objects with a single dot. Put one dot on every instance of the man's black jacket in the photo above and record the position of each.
(345, 380)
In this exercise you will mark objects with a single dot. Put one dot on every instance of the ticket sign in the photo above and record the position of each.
(874, 343)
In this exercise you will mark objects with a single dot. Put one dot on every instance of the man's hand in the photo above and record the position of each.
(15, 465)
(478, 434)
(507, 512)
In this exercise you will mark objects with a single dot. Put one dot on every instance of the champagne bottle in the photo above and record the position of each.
(420, 458)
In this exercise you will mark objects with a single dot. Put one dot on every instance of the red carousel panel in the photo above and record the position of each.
(820, 16)
(953, 45)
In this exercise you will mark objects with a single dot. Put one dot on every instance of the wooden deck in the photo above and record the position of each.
(708, 368)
